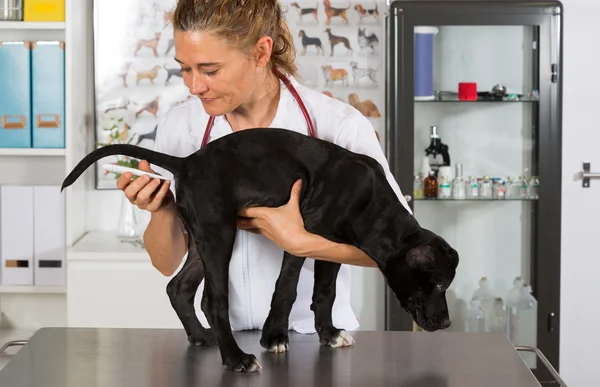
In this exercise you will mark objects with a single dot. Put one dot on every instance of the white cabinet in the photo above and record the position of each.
(114, 285)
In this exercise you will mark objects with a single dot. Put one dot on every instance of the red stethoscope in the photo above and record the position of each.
(292, 89)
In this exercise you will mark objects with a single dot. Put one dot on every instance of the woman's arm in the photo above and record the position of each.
(284, 226)
(317, 247)
(165, 241)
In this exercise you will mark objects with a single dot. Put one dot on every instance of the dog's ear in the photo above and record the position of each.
(419, 257)
(451, 253)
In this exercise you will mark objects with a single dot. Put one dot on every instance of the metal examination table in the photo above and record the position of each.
(82, 357)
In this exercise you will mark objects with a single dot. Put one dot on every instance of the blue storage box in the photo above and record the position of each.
(15, 95)
(48, 94)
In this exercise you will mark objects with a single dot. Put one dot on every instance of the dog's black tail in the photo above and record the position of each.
(170, 163)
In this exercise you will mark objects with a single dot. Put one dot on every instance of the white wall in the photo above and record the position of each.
(580, 313)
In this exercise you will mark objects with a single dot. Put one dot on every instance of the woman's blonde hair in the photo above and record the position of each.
(242, 23)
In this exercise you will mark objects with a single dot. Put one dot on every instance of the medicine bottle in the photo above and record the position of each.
(430, 186)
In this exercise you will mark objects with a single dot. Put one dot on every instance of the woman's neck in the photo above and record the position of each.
(259, 111)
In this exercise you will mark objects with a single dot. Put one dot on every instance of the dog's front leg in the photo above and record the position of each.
(216, 249)
(322, 305)
(275, 331)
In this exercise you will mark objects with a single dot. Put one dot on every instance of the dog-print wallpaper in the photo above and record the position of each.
(339, 46)
(137, 80)
(339, 51)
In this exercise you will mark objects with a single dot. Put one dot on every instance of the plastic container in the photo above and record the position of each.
(486, 297)
(475, 316)
(44, 10)
(526, 332)
(423, 83)
(11, 10)
(498, 320)
(512, 301)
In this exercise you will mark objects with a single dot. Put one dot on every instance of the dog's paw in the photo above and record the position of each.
(277, 343)
(336, 338)
(203, 339)
(243, 363)
(275, 335)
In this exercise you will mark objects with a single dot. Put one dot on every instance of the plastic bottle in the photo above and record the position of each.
(527, 311)
(485, 295)
(475, 316)
(512, 300)
(498, 322)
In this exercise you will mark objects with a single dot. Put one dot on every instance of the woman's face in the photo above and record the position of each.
(217, 73)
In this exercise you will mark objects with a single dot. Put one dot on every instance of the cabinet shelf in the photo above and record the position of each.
(477, 200)
(23, 25)
(32, 152)
(480, 100)
(18, 289)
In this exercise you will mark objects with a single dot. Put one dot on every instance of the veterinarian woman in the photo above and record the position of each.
(237, 58)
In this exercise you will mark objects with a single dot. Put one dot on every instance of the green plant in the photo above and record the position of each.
(118, 133)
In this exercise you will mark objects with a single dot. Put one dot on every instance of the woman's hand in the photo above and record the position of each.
(283, 225)
(144, 192)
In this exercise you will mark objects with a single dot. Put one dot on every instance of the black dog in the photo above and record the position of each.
(345, 197)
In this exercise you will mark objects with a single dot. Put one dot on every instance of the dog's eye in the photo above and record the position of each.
(439, 286)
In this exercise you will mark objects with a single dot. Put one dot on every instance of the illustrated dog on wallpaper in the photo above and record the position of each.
(345, 197)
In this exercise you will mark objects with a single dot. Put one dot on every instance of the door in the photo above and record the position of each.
(497, 143)
(580, 268)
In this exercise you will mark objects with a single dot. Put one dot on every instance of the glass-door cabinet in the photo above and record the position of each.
(473, 137)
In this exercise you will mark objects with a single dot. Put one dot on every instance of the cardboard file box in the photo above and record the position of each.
(44, 10)
(49, 236)
(16, 233)
(15, 95)
(48, 94)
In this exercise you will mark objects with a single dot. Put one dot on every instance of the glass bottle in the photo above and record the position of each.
(511, 188)
(418, 188)
(498, 189)
(458, 185)
(523, 187)
(486, 188)
(430, 186)
(472, 187)
(129, 226)
(445, 188)
(533, 189)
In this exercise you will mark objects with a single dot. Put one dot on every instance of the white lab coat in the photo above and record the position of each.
(256, 261)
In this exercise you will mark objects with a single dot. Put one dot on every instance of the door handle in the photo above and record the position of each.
(587, 175)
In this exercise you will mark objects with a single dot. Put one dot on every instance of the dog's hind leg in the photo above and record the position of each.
(275, 331)
(182, 290)
(322, 305)
(215, 246)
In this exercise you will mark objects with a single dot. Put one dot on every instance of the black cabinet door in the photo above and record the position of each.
(473, 93)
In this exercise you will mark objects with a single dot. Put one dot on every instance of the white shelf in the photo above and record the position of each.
(4, 289)
(21, 25)
(105, 246)
(32, 152)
